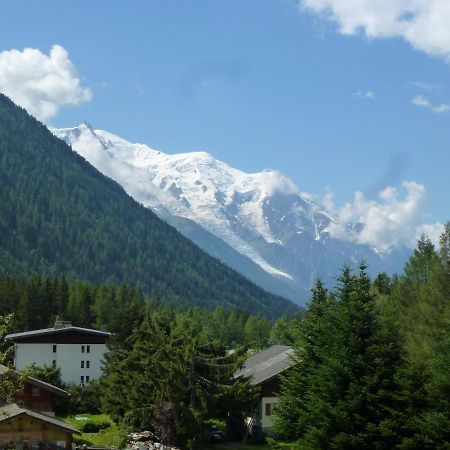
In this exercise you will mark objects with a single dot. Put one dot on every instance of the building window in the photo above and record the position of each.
(82, 364)
(82, 379)
(54, 348)
(54, 362)
(87, 364)
(88, 349)
(268, 409)
(87, 379)
(82, 349)
(35, 391)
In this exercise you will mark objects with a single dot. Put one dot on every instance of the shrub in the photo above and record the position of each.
(84, 399)
(94, 427)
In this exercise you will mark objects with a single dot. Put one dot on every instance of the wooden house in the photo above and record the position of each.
(29, 423)
(264, 370)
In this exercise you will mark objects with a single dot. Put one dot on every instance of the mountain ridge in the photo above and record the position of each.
(263, 216)
(61, 215)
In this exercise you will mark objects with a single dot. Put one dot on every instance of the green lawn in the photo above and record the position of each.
(237, 446)
(109, 437)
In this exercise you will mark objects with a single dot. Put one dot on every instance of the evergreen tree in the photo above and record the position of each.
(166, 361)
(257, 331)
(346, 395)
(312, 337)
(11, 385)
(283, 332)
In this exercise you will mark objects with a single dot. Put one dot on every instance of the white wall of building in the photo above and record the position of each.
(266, 422)
(68, 358)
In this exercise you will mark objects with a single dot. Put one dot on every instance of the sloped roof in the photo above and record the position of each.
(11, 411)
(55, 330)
(35, 382)
(267, 364)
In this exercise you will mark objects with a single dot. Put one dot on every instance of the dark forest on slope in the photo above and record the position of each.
(59, 215)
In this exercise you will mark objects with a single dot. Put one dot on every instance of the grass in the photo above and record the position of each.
(237, 446)
(109, 437)
(250, 446)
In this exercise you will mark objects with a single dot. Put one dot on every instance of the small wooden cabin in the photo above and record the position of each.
(29, 423)
(21, 428)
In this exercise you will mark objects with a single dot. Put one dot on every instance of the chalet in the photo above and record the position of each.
(264, 370)
(30, 422)
(35, 394)
(78, 352)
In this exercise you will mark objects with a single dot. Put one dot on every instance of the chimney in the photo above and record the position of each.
(59, 323)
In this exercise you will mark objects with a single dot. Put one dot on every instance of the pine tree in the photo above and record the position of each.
(346, 394)
(313, 334)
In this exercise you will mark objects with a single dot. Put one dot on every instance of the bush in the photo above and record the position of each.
(94, 427)
(84, 399)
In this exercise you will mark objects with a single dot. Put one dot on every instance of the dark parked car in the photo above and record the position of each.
(215, 435)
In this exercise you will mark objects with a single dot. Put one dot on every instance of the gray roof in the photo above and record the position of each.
(55, 330)
(267, 364)
(8, 412)
(35, 382)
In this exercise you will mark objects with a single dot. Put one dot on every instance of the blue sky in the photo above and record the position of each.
(259, 84)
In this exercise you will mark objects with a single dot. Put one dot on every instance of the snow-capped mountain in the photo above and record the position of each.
(260, 223)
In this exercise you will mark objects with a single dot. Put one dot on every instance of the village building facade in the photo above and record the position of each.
(78, 352)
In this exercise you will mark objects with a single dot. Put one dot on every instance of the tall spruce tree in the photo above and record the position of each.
(312, 334)
(427, 330)
(347, 394)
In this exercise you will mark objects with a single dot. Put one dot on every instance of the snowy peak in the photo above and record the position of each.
(263, 216)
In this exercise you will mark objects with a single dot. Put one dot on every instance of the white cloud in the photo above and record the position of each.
(420, 100)
(430, 87)
(364, 94)
(433, 231)
(425, 24)
(274, 181)
(328, 199)
(387, 221)
(41, 83)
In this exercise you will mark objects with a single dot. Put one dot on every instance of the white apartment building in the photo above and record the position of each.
(78, 352)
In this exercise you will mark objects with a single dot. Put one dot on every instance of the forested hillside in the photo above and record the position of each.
(36, 302)
(59, 215)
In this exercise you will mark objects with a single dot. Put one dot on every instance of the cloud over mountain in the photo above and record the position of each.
(387, 221)
(41, 83)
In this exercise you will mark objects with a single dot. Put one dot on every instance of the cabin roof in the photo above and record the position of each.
(12, 411)
(35, 382)
(265, 365)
